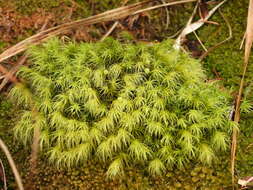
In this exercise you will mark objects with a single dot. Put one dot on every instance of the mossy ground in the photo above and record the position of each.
(226, 61)
(93, 175)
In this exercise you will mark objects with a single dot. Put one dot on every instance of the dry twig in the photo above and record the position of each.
(12, 164)
(200, 42)
(243, 39)
(22, 60)
(11, 73)
(35, 151)
(114, 14)
(4, 176)
(167, 15)
(190, 27)
(112, 27)
(248, 45)
(222, 42)
(110, 30)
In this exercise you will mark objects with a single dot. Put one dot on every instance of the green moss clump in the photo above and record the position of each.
(122, 104)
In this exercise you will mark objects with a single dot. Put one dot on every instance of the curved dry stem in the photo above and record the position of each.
(248, 45)
(222, 42)
(4, 176)
(114, 14)
(12, 164)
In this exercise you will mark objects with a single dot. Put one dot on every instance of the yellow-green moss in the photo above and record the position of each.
(227, 60)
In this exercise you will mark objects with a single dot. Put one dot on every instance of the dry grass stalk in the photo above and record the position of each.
(113, 14)
(3, 175)
(110, 30)
(5, 72)
(248, 45)
(222, 42)
(11, 74)
(191, 27)
(35, 152)
(43, 35)
(12, 164)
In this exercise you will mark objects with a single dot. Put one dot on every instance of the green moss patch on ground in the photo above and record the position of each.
(93, 175)
(226, 60)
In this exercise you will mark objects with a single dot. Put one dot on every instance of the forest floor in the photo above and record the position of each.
(21, 19)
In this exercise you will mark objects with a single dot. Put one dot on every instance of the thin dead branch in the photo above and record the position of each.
(164, 5)
(110, 30)
(167, 15)
(12, 164)
(114, 14)
(222, 42)
(117, 13)
(242, 42)
(248, 45)
(5, 72)
(4, 176)
(113, 26)
(22, 60)
(12, 72)
(190, 27)
(200, 42)
(35, 151)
